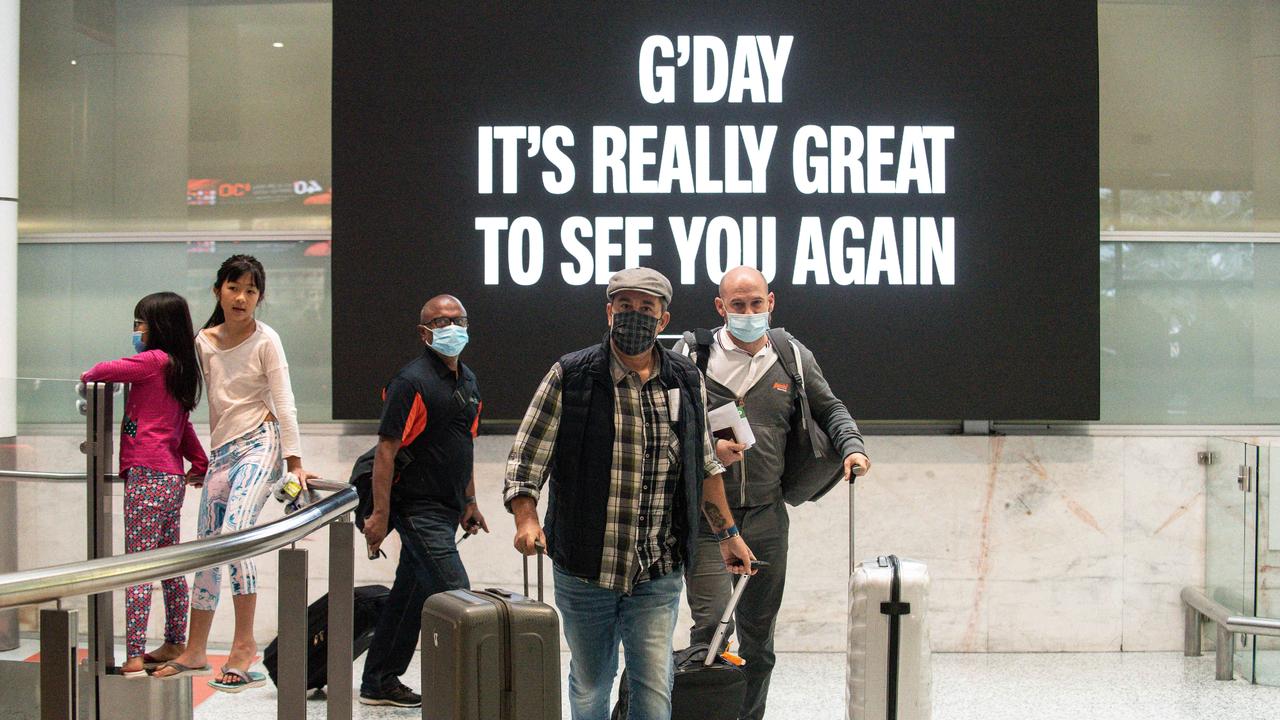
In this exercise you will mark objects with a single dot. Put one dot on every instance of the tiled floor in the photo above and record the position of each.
(809, 686)
(1101, 686)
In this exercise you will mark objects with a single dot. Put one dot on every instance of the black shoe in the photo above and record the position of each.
(398, 696)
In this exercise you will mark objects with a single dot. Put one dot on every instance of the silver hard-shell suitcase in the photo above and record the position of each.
(888, 673)
(490, 655)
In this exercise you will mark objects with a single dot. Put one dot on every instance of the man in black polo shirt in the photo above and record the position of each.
(431, 410)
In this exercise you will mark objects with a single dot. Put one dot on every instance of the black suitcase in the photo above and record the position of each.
(702, 689)
(369, 601)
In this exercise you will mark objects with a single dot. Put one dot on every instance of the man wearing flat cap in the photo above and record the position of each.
(619, 429)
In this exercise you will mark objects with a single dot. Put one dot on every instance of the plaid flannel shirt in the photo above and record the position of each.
(639, 544)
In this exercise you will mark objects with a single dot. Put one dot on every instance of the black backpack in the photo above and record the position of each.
(362, 478)
(369, 601)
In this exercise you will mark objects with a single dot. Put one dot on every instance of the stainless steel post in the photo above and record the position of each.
(8, 539)
(98, 448)
(291, 621)
(9, 21)
(1225, 665)
(340, 633)
(1190, 631)
(58, 632)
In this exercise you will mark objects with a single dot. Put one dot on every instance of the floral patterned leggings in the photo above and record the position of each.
(241, 475)
(152, 504)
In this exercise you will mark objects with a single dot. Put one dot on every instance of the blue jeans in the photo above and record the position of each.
(595, 620)
(429, 564)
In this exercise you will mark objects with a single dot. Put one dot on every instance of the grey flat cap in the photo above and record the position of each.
(645, 280)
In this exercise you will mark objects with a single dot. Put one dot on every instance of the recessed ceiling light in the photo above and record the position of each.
(277, 44)
(73, 62)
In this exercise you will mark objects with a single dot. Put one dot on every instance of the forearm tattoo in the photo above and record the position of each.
(714, 516)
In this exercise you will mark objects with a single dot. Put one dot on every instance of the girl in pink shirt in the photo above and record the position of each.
(155, 437)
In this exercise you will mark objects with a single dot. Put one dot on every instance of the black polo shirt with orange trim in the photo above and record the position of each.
(436, 414)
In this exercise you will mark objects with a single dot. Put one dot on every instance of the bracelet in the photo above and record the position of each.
(471, 500)
(725, 534)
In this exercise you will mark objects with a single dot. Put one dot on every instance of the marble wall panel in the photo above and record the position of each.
(1053, 571)
(1033, 543)
(1164, 536)
(1068, 614)
(927, 498)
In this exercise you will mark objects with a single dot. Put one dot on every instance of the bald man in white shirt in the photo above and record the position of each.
(745, 362)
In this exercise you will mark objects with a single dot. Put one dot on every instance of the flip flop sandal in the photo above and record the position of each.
(151, 662)
(182, 670)
(243, 681)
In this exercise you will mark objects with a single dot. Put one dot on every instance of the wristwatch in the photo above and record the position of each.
(725, 534)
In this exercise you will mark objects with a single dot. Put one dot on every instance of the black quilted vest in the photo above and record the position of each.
(583, 457)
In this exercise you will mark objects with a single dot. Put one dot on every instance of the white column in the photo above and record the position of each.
(1264, 46)
(8, 215)
(1265, 51)
(8, 297)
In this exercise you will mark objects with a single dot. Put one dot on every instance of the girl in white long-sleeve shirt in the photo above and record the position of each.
(254, 429)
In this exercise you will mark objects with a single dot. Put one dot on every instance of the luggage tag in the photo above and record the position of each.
(673, 404)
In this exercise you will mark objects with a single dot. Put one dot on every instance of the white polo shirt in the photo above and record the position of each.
(733, 367)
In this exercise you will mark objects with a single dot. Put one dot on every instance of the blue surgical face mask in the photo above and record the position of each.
(449, 340)
(138, 344)
(747, 328)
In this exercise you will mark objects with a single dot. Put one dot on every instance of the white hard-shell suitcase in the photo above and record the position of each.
(887, 674)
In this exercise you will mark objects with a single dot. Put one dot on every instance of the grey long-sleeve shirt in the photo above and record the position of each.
(771, 405)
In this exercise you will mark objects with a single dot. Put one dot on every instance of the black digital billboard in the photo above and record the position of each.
(917, 180)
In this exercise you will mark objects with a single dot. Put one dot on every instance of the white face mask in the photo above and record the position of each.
(747, 328)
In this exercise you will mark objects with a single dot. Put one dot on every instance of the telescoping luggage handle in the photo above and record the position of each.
(541, 550)
(853, 564)
(714, 649)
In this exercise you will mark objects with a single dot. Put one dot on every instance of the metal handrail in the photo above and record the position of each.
(327, 485)
(106, 574)
(1198, 607)
(61, 686)
(41, 476)
(1215, 611)
(38, 475)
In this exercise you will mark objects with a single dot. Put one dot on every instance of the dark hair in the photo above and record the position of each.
(232, 269)
(168, 322)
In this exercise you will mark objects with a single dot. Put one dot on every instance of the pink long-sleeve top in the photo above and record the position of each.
(156, 432)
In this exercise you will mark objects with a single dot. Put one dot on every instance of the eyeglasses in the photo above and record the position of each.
(443, 322)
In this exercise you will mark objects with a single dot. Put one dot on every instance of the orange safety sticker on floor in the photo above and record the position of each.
(200, 690)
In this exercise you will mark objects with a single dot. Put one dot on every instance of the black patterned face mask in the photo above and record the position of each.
(634, 332)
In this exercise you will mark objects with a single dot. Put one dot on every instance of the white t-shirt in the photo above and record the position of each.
(244, 384)
(735, 368)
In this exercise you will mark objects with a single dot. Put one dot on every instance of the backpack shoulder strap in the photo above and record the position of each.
(698, 342)
(788, 351)
(788, 354)
(684, 345)
(799, 360)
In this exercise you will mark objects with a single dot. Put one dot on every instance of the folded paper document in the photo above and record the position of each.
(729, 422)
